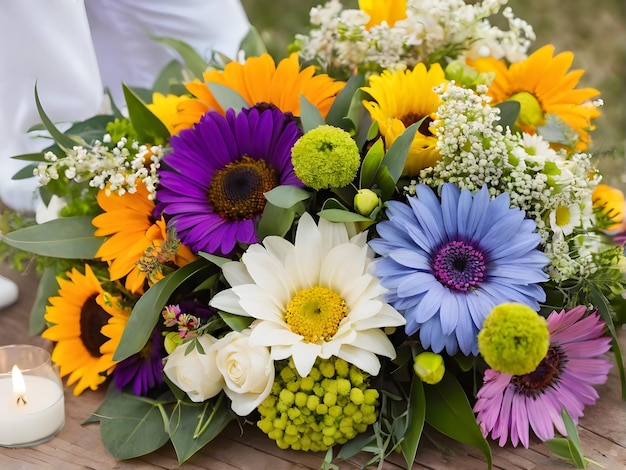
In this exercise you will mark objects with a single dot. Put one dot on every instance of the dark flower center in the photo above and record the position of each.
(236, 191)
(92, 319)
(546, 374)
(459, 266)
(412, 118)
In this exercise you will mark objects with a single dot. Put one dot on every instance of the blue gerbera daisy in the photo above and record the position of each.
(212, 184)
(448, 262)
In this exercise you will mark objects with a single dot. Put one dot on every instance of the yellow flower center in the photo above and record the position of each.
(562, 216)
(236, 191)
(316, 313)
(530, 113)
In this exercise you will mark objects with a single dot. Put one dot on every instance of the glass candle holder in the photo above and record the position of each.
(32, 404)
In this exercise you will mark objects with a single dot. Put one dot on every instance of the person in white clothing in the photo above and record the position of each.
(72, 49)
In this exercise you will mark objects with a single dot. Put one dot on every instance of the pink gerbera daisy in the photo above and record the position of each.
(508, 405)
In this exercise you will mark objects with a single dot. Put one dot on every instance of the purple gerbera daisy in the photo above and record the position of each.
(211, 185)
(508, 405)
(448, 262)
(143, 370)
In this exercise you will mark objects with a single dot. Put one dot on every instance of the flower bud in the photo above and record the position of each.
(171, 341)
(365, 201)
(429, 367)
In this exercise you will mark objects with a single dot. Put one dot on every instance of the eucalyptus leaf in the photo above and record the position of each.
(227, 97)
(194, 63)
(338, 215)
(47, 287)
(386, 183)
(286, 196)
(371, 163)
(396, 156)
(131, 426)
(509, 112)
(149, 128)
(148, 308)
(332, 203)
(63, 140)
(449, 411)
(275, 221)
(192, 427)
(310, 116)
(170, 77)
(25, 173)
(236, 322)
(356, 445)
(216, 260)
(252, 43)
(65, 237)
(417, 416)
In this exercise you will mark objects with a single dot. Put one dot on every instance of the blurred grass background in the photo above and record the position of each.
(594, 30)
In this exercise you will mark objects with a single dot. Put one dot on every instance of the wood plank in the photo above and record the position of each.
(602, 431)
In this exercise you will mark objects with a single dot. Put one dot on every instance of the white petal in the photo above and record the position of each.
(257, 303)
(343, 266)
(265, 333)
(333, 234)
(304, 356)
(364, 360)
(375, 341)
(228, 301)
(270, 275)
(236, 273)
(278, 247)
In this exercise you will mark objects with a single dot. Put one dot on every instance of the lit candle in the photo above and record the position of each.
(32, 408)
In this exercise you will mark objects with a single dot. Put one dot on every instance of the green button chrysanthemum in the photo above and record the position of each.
(329, 406)
(514, 339)
(326, 157)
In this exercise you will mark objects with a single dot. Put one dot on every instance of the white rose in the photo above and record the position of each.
(248, 371)
(195, 373)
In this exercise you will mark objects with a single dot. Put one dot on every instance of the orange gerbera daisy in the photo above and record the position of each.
(138, 246)
(77, 316)
(388, 11)
(403, 98)
(260, 80)
(543, 86)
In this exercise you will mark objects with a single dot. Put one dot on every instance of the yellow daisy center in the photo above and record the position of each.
(92, 319)
(531, 113)
(236, 191)
(316, 313)
(562, 216)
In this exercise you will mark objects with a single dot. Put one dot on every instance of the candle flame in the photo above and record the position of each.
(19, 387)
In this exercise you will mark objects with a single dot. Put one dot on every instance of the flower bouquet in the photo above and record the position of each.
(395, 228)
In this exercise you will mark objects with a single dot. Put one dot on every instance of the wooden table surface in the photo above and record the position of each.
(602, 431)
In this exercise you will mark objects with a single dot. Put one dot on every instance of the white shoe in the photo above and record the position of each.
(8, 292)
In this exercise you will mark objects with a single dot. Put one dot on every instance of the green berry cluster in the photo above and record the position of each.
(329, 406)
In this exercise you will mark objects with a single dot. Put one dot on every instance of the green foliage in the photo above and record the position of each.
(149, 128)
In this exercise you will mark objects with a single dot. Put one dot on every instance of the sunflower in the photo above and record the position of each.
(138, 247)
(260, 80)
(78, 316)
(165, 108)
(388, 11)
(403, 98)
(543, 86)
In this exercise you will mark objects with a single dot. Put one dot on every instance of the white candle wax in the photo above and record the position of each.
(42, 416)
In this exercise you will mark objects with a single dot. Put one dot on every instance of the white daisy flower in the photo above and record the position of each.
(315, 298)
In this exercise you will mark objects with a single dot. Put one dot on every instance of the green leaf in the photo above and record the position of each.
(192, 427)
(47, 287)
(449, 411)
(286, 196)
(149, 128)
(194, 63)
(395, 157)
(170, 77)
(65, 237)
(386, 183)
(131, 426)
(466, 363)
(63, 140)
(31, 157)
(252, 43)
(236, 322)
(216, 260)
(604, 308)
(572, 436)
(342, 104)
(275, 221)
(339, 215)
(147, 310)
(227, 97)
(417, 416)
(356, 445)
(371, 163)
(509, 111)
(310, 116)
(25, 173)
